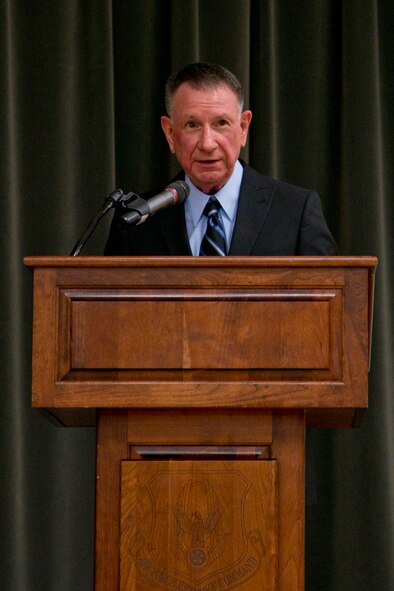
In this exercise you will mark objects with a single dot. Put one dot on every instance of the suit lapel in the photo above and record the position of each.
(172, 226)
(254, 203)
(173, 229)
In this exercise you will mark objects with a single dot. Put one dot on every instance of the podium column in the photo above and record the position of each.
(202, 500)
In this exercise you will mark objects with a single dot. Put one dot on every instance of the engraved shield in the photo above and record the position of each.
(198, 526)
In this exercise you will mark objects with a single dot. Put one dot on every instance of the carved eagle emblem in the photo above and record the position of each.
(199, 532)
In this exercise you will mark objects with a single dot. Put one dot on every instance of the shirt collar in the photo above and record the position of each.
(227, 196)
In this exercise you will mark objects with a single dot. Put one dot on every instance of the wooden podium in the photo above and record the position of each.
(201, 375)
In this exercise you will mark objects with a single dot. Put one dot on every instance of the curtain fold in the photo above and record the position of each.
(57, 165)
(80, 104)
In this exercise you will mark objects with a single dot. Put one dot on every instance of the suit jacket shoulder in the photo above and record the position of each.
(279, 219)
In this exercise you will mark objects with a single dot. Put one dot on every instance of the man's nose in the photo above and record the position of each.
(207, 139)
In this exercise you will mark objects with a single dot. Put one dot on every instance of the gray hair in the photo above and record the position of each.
(199, 76)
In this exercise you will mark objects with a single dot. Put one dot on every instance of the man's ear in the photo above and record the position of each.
(166, 125)
(246, 118)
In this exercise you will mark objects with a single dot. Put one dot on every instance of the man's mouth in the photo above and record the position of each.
(207, 162)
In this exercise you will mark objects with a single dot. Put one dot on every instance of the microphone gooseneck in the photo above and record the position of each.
(109, 202)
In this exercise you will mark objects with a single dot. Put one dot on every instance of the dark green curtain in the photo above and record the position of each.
(80, 100)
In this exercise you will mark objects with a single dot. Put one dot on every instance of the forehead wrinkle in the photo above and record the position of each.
(212, 116)
(202, 116)
(194, 100)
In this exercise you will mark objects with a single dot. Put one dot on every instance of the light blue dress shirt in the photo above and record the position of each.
(228, 196)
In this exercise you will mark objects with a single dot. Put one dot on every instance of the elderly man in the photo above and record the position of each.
(231, 209)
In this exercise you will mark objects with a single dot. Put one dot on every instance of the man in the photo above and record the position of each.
(206, 128)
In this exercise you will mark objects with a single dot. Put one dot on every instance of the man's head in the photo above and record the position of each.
(205, 127)
(201, 76)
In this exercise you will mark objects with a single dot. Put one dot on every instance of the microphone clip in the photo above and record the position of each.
(137, 206)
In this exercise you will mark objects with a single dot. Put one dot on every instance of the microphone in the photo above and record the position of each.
(141, 209)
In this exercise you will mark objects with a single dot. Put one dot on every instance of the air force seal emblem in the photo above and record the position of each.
(198, 526)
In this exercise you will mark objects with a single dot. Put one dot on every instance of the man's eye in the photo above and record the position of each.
(222, 122)
(191, 124)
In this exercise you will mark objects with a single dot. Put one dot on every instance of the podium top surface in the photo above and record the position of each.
(190, 261)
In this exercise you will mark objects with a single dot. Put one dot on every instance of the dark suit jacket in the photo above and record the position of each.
(273, 219)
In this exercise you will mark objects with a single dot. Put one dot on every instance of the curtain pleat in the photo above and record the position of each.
(57, 166)
(80, 102)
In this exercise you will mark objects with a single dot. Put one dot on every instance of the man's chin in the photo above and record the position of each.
(209, 183)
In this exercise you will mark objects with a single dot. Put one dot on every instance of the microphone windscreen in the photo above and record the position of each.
(182, 189)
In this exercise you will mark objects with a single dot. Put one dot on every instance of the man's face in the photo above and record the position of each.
(206, 133)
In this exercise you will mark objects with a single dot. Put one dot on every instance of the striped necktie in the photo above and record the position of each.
(214, 240)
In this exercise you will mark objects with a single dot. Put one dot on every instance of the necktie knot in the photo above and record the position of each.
(214, 240)
(212, 207)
